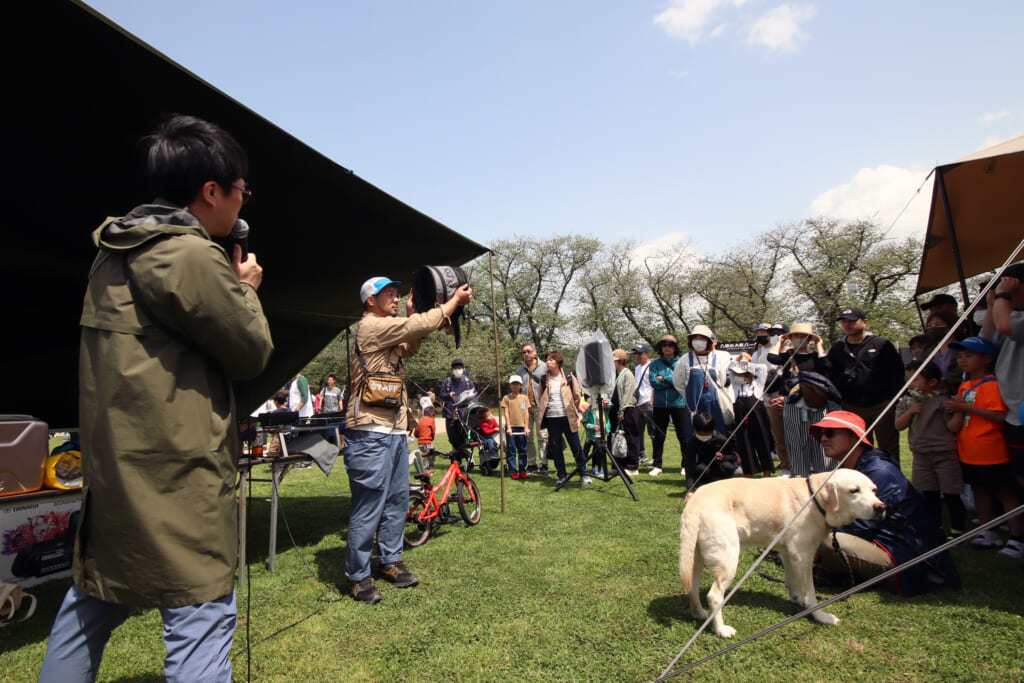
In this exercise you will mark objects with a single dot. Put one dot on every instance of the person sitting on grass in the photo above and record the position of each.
(978, 414)
(936, 469)
(708, 458)
(871, 547)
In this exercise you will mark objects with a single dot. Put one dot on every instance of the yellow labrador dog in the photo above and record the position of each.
(726, 516)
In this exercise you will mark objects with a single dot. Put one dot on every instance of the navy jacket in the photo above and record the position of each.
(907, 530)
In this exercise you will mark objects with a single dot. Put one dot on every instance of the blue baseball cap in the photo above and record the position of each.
(762, 326)
(373, 286)
(980, 345)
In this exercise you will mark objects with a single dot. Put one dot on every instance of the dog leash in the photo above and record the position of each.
(835, 539)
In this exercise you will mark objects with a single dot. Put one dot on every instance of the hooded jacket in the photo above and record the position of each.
(160, 441)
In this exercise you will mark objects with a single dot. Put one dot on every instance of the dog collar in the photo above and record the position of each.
(810, 490)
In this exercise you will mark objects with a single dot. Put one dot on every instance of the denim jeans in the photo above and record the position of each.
(378, 474)
(197, 637)
(516, 446)
(558, 428)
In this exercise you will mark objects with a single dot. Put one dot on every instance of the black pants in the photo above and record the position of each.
(456, 433)
(633, 428)
(660, 432)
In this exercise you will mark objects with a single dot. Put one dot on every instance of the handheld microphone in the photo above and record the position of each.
(240, 236)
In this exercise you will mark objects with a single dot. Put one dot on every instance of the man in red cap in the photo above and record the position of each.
(907, 531)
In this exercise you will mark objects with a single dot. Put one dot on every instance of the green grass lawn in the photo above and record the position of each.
(578, 585)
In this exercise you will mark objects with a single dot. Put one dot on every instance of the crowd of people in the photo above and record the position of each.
(792, 407)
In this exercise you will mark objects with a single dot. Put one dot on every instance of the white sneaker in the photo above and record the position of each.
(785, 474)
(632, 473)
(986, 539)
(1013, 549)
(655, 471)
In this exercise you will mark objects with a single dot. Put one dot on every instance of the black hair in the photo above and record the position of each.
(185, 152)
(930, 371)
(919, 340)
(703, 422)
(332, 376)
(281, 397)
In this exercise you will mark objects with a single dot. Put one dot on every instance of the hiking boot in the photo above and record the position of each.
(986, 539)
(655, 471)
(397, 574)
(364, 591)
(1013, 549)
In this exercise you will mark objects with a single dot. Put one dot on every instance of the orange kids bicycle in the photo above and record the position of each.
(428, 507)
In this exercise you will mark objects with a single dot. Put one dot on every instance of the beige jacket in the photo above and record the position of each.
(382, 342)
(570, 398)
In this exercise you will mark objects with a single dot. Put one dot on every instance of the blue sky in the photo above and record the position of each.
(699, 120)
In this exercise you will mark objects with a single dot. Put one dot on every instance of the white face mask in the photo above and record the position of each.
(457, 373)
(703, 437)
(775, 339)
(699, 345)
(979, 318)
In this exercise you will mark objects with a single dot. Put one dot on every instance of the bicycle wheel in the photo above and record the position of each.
(416, 532)
(468, 498)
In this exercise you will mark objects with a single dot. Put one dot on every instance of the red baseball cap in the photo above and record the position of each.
(842, 419)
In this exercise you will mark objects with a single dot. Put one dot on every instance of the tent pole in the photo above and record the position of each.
(497, 374)
(939, 180)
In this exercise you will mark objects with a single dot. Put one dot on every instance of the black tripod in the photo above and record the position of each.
(601, 446)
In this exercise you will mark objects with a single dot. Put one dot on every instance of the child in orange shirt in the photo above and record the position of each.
(424, 433)
(977, 416)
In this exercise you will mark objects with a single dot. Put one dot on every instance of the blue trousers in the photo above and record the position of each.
(515, 446)
(197, 637)
(378, 474)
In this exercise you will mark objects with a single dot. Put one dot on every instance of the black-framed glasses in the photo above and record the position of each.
(246, 192)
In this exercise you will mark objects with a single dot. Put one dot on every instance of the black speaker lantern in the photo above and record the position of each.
(433, 285)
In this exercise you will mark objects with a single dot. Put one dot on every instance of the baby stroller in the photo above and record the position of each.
(469, 416)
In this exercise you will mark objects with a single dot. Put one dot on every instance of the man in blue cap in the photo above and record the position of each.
(376, 454)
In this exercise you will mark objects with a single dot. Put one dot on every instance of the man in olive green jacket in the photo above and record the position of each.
(168, 322)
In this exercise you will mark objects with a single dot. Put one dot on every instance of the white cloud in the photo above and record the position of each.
(688, 19)
(993, 116)
(780, 28)
(662, 245)
(993, 140)
(881, 193)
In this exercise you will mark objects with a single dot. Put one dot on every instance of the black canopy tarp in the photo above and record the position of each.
(80, 92)
(977, 215)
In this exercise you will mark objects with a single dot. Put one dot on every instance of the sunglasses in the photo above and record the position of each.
(831, 431)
